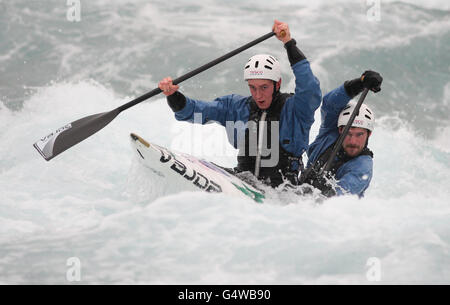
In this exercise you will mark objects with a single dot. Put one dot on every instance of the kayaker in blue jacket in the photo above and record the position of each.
(268, 118)
(352, 166)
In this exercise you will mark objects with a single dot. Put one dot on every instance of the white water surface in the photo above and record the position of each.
(96, 203)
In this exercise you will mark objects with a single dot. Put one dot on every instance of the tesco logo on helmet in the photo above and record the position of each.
(256, 72)
(358, 122)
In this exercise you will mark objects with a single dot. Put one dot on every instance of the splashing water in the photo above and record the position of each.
(96, 203)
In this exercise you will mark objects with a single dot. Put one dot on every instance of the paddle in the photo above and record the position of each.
(71, 134)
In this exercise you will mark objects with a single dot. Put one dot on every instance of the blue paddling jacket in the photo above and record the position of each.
(353, 176)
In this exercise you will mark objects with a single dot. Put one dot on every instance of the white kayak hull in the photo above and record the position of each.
(190, 173)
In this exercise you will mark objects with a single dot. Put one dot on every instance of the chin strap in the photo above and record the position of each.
(275, 91)
(261, 123)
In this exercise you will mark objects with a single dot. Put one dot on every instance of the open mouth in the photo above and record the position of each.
(261, 103)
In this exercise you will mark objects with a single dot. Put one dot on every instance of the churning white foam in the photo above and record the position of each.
(94, 202)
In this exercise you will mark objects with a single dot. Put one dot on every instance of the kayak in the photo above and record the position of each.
(187, 172)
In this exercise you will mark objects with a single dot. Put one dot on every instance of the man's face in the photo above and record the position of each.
(355, 141)
(262, 91)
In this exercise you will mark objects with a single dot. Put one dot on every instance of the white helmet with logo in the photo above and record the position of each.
(262, 66)
(364, 119)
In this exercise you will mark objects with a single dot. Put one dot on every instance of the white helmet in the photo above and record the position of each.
(262, 66)
(364, 119)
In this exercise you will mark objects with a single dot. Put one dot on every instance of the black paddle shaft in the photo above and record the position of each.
(75, 132)
(188, 75)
